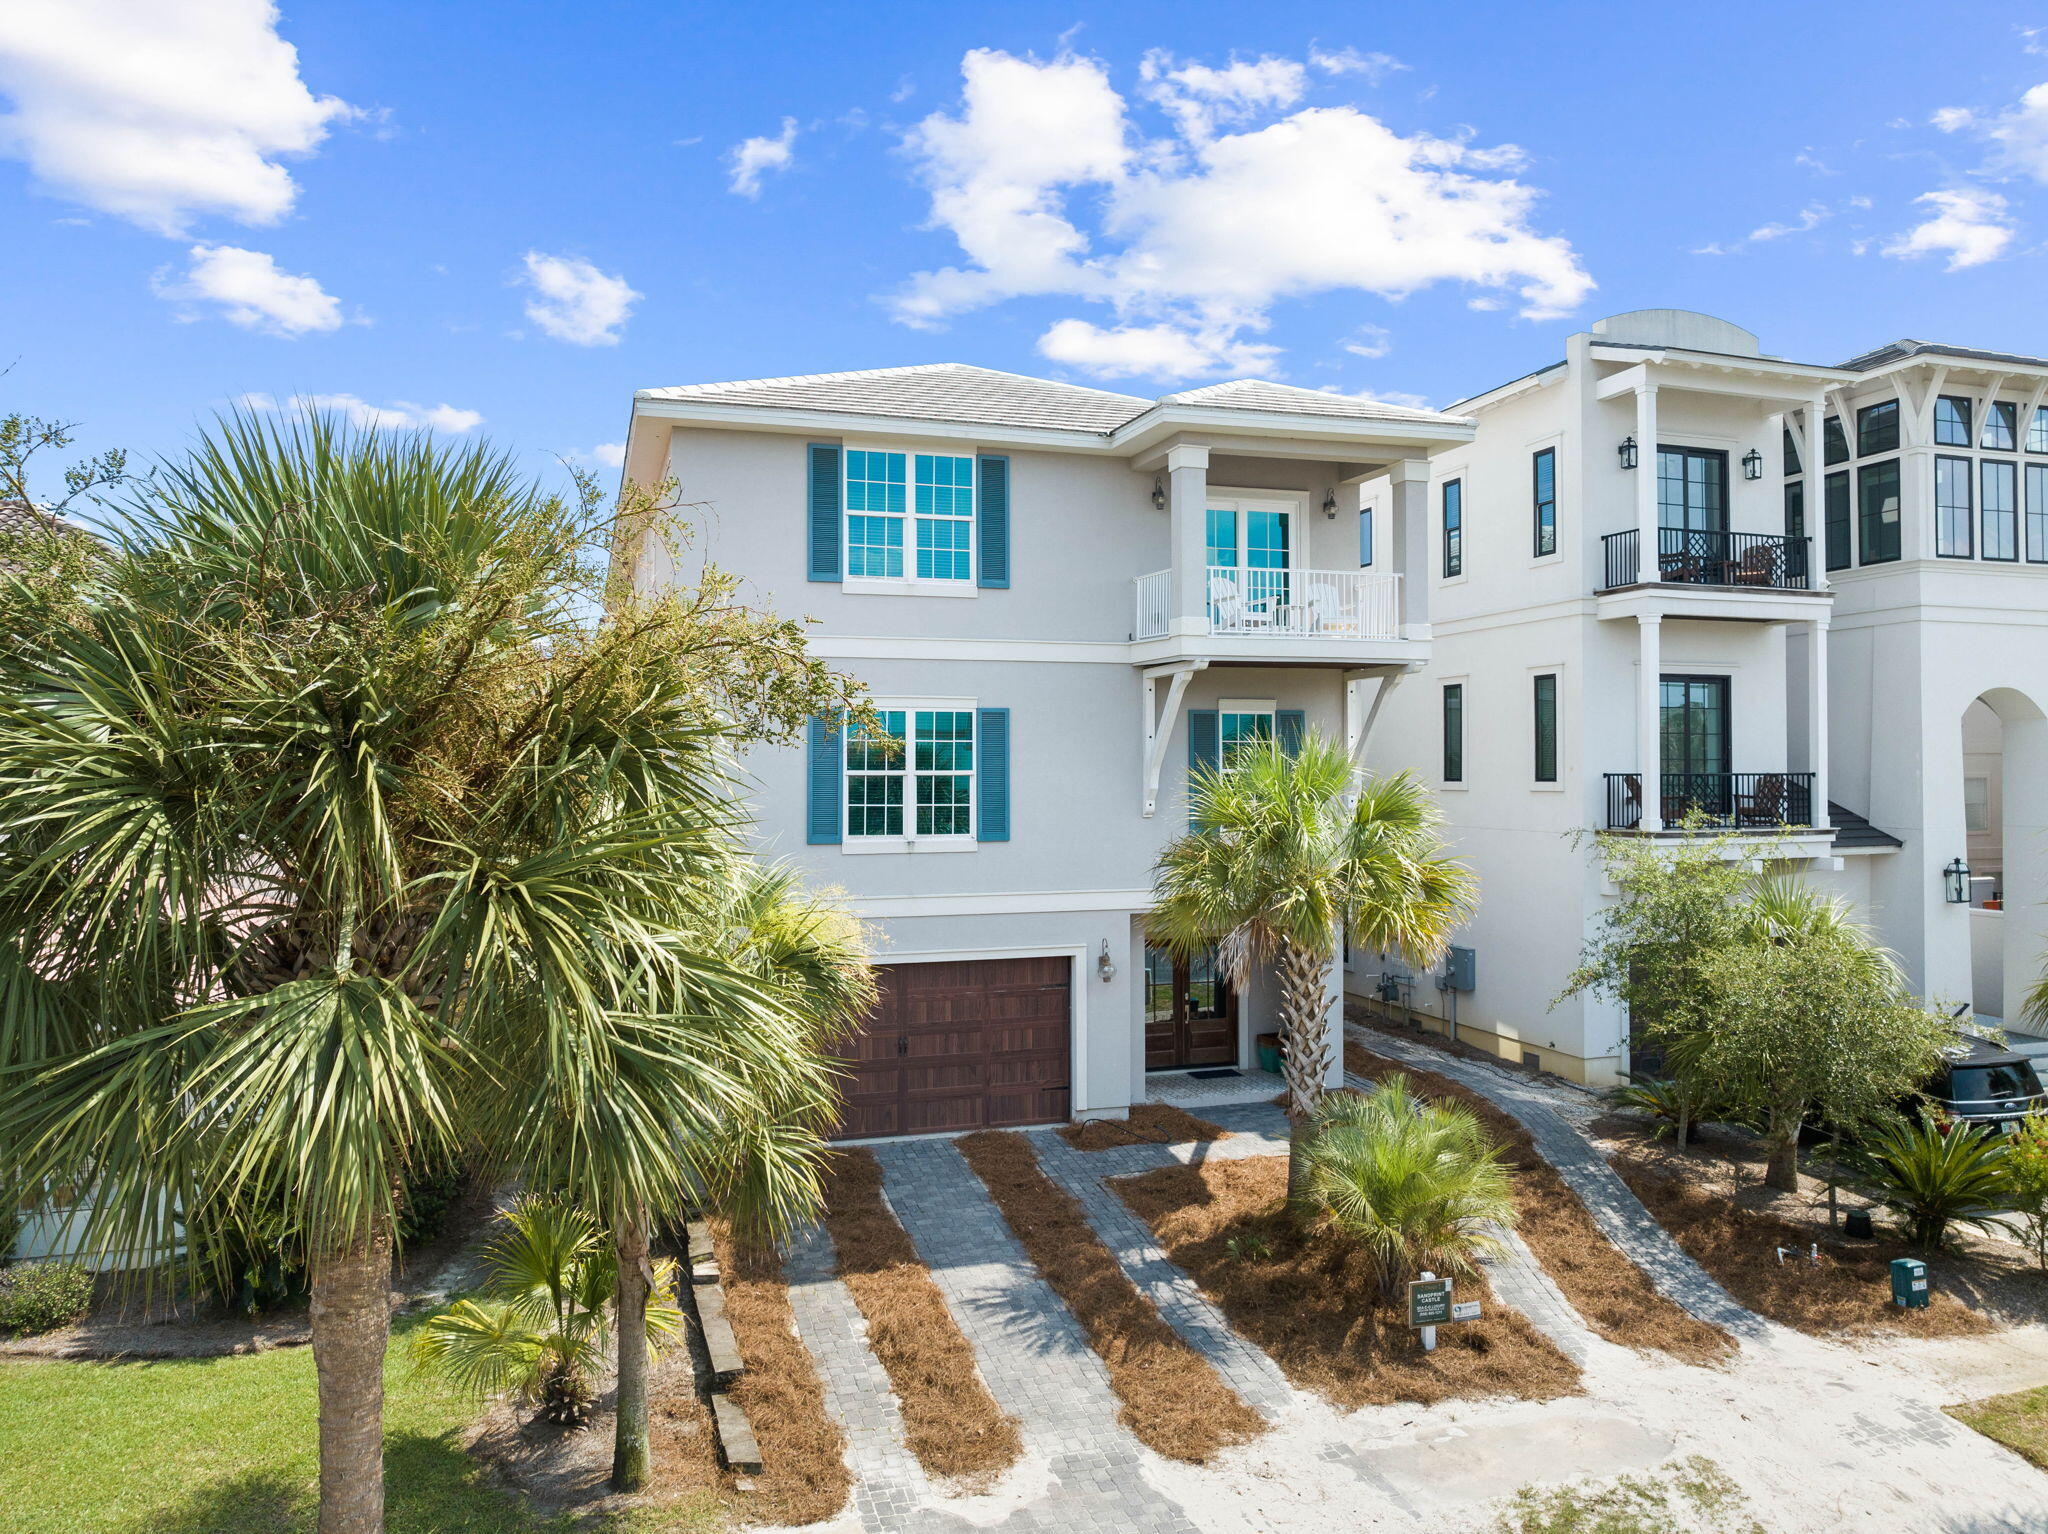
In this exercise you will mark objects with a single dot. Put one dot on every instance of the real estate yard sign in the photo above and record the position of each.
(1429, 1302)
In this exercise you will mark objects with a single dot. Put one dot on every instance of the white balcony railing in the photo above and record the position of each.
(1281, 604)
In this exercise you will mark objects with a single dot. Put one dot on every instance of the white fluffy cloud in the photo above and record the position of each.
(575, 302)
(1375, 67)
(1152, 351)
(400, 415)
(251, 290)
(753, 158)
(159, 112)
(1969, 226)
(1050, 188)
(2018, 136)
(611, 454)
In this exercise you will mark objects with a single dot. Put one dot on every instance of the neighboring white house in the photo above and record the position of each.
(1060, 597)
(1064, 597)
(1909, 593)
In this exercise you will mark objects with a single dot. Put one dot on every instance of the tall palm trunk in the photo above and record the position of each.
(629, 1441)
(351, 1316)
(1781, 1169)
(1304, 1044)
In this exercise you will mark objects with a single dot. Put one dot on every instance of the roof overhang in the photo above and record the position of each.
(1764, 379)
(1264, 433)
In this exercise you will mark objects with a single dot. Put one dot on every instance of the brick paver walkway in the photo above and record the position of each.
(1618, 1212)
(1032, 1352)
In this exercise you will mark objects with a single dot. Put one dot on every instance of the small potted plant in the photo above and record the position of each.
(1268, 1046)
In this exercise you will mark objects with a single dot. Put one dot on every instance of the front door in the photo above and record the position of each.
(1190, 1012)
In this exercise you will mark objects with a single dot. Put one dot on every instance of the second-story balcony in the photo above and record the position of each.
(1332, 607)
(1749, 802)
(1706, 557)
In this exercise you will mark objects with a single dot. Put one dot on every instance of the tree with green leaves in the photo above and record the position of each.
(338, 835)
(1291, 854)
(1811, 1022)
(46, 560)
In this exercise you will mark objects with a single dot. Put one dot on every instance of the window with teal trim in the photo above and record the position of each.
(914, 776)
(874, 777)
(875, 508)
(945, 517)
(1237, 733)
(909, 514)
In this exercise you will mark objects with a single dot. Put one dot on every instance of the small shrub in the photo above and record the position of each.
(1934, 1176)
(42, 1296)
(1252, 1248)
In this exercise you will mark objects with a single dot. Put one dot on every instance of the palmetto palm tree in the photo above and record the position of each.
(541, 1328)
(667, 1121)
(335, 835)
(1419, 1185)
(1291, 854)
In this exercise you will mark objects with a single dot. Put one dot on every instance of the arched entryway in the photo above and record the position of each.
(2004, 740)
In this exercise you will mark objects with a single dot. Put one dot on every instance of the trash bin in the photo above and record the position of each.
(1909, 1283)
(1857, 1223)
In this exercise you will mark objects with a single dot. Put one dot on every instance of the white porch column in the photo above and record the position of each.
(1817, 716)
(1408, 489)
(1187, 505)
(1815, 467)
(1649, 718)
(1647, 564)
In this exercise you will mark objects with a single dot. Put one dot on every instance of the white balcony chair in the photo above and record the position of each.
(1327, 611)
(1229, 612)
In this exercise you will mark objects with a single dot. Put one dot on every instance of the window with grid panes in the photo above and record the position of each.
(914, 776)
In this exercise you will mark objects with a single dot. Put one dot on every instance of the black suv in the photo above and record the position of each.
(1984, 1084)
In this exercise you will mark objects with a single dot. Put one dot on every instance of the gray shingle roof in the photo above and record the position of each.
(1853, 831)
(1897, 351)
(955, 391)
(933, 391)
(1286, 399)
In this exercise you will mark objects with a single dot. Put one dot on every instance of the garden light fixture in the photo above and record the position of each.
(1958, 875)
(1628, 452)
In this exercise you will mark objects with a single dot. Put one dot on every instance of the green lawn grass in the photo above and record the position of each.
(226, 1446)
(2019, 1421)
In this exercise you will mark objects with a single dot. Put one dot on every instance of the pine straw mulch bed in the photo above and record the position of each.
(1149, 1124)
(1733, 1231)
(950, 1421)
(1314, 1304)
(1613, 1295)
(1168, 1395)
(803, 1453)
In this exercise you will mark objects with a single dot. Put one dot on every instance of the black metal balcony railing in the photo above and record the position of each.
(1738, 801)
(1699, 557)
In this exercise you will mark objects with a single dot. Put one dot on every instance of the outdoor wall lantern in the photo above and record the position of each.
(1958, 875)
(1752, 464)
(1159, 495)
(1330, 504)
(1105, 966)
(1628, 452)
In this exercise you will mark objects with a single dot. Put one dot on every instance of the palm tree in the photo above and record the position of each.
(332, 825)
(1417, 1184)
(1285, 862)
(541, 1328)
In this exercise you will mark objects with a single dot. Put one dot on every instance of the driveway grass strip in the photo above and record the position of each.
(1847, 1291)
(2019, 1421)
(1169, 1396)
(950, 1421)
(1613, 1295)
(1149, 1124)
(1314, 1303)
(803, 1453)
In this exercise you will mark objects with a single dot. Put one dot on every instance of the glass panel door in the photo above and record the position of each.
(1695, 746)
(1190, 1012)
(1692, 490)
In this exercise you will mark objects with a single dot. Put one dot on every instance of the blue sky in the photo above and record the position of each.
(503, 218)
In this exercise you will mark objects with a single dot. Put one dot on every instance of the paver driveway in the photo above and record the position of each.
(1818, 1435)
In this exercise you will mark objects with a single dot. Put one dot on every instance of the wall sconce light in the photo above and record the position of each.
(1628, 452)
(1330, 504)
(1105, 966)
(1159, 495)
(1752, 464)
(1958, 875)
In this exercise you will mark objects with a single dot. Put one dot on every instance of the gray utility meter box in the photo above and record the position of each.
(1461, 970)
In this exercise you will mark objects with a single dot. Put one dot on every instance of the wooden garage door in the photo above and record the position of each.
(981, 1044)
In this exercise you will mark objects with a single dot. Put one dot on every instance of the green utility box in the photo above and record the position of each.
(1909, 1283)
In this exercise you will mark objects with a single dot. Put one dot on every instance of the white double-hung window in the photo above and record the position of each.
(910, 779)
(909, 516)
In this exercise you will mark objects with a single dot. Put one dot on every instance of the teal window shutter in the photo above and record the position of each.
(992, 522)
(827, 791)
(827, 518)
(1288, 725)
(1204, 748)
(992, 775)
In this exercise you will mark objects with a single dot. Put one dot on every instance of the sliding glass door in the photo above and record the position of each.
(1695, 745)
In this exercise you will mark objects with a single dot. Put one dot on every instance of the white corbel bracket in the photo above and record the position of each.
(1159, 722)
